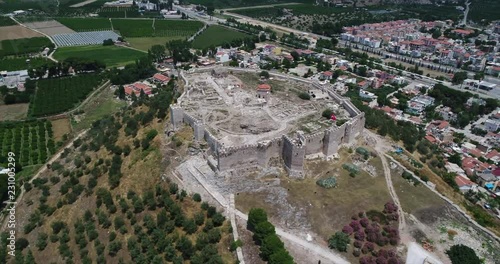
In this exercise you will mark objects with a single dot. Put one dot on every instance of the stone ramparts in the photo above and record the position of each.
(291, 151)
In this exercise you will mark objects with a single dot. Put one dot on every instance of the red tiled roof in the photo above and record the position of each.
(476, 152)
(141, 86)
(161, 77)
(492, 154)
(129, 89)
(443, 124)
(462, 181)
(462, 31)
(431, 138)
(386, 109)
(264, 86)
(328, 73)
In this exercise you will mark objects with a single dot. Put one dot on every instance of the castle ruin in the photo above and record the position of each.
(289, 146)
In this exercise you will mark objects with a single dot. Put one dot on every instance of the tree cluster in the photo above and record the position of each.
(271, 247)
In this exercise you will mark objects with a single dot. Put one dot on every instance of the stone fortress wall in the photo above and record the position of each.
(292, 151)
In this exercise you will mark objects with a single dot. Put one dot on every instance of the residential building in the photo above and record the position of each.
(465, 184)
(418, 103)
(492, 125)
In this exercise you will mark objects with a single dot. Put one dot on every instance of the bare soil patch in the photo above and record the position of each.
(17, 32)
(50, 27)
(13, 112)
(60, 127)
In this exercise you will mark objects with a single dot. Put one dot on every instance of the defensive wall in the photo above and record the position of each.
(292, 150)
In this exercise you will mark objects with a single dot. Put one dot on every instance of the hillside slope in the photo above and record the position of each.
(104, 200)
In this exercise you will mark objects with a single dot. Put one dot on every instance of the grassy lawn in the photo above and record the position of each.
(147, 42)
(216, 35)
(101, 105)
(13, 112)
(111, 55)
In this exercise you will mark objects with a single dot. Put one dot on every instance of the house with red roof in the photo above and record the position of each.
(493, 155)
(462, 32)
(431, 139)
(160, 78)
(263, 91)
(465, 184)
(136, 89)
(326, 75)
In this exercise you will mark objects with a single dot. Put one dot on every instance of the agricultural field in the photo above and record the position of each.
(15, 64)
(86, 24)
(32, 141)
(5, 21)
(24, 46)
(49, 27)
(123, 12)
(57, 95)
(112, 56)
(484, 9)
(13, 111)
(161, 28)
(216, 35)
(17, 32)
(147, 42)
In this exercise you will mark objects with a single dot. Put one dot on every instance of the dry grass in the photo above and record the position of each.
(336, 206)
(414, 198)
(327, 210)
(13, 112)
(60, 127)
(17, 32)
(143, 174)
(100, 106)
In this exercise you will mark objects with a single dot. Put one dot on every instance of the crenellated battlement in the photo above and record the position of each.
(291, 150)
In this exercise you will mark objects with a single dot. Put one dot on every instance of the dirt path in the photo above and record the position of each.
(312, 249)
(381, 147)
(42, 170)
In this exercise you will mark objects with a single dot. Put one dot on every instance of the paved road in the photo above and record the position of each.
(260, 6)
(83, 3)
